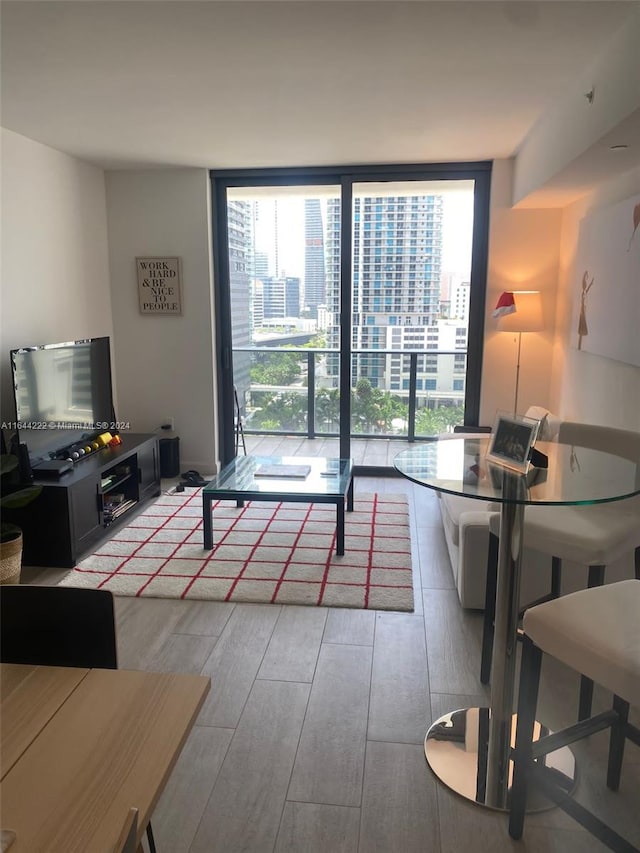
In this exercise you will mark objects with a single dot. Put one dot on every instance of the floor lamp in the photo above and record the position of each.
(519, 311)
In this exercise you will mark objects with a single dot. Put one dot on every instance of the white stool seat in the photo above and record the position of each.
(589, 535)
(596, 632)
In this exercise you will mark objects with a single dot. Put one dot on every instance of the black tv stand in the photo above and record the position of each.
(82, 508)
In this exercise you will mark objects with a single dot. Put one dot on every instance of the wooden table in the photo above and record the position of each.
(81, 747)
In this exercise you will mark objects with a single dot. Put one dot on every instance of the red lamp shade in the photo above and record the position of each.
(519, 311)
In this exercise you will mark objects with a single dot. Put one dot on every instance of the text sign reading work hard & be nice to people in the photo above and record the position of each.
(159, 285)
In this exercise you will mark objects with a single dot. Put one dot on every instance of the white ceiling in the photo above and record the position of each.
(245, 84)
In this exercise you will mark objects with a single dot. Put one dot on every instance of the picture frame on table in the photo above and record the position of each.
(512, 439)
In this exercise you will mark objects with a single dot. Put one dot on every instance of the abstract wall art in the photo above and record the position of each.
(606, 312)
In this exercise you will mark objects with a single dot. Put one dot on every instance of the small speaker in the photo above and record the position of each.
(169, 457)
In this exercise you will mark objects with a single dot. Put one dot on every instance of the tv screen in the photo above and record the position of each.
(63, 394)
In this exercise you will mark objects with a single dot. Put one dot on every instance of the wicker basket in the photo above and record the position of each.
(11, 560)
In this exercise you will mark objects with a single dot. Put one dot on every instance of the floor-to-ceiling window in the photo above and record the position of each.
(350, 301)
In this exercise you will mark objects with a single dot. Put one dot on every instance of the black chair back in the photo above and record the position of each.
(57, 626)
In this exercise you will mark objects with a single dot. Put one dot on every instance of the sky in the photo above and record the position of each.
(456, 237)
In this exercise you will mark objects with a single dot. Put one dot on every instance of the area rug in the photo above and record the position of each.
(280, 553)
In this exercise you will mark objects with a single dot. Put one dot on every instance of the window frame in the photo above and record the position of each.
(345, 176)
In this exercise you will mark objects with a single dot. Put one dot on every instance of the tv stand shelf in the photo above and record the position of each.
(77, 512)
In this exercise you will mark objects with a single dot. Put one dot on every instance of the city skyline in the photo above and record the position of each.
(404, 299)
(280, 233)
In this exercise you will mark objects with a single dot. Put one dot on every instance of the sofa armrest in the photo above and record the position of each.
(472, 558)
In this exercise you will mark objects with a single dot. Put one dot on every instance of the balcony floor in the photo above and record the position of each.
(379, 452)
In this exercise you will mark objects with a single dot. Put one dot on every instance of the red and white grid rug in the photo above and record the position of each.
(281, 553)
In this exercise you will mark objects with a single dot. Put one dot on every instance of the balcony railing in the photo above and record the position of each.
(405, 394)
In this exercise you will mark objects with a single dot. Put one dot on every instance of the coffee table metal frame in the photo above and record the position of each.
(330, 481)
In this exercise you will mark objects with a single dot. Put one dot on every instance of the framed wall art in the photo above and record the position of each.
(159, 286)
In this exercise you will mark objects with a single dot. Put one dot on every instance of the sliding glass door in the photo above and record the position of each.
(281, 309)
(411, 287)
(350, 303)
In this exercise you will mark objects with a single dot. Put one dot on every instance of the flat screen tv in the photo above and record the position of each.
(63, 395)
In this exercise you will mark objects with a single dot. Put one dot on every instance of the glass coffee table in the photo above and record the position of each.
(295, 479)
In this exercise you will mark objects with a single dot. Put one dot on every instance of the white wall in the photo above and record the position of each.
(574, 124)
(587, 387)
(164, 364)
(55, 269)
(524, 248)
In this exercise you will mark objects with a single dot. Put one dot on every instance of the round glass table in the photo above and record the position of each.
(469, 749)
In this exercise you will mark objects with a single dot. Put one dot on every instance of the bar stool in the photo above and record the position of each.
(597, 633)
(595, 536)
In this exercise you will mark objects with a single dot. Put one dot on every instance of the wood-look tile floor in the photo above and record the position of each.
(311, 737)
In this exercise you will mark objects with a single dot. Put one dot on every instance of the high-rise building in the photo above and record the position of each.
(397, 250)
(460, 295)
(257, 304)
(261, 264)
(440, 378)
(240, 230)
(292, 296)
(314, 273)
(280, 297)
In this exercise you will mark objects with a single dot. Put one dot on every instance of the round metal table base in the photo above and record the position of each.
(456, 750)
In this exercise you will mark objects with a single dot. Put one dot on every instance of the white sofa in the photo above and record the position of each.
(466, 529)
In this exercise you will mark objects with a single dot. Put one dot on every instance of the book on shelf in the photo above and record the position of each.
(113, 511)
(297, 472)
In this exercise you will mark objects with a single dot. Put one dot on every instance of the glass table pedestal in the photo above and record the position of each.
(456, 749)
(470, 749)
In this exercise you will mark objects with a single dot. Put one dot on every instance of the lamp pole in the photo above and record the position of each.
(519, 311)
(515, 401)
